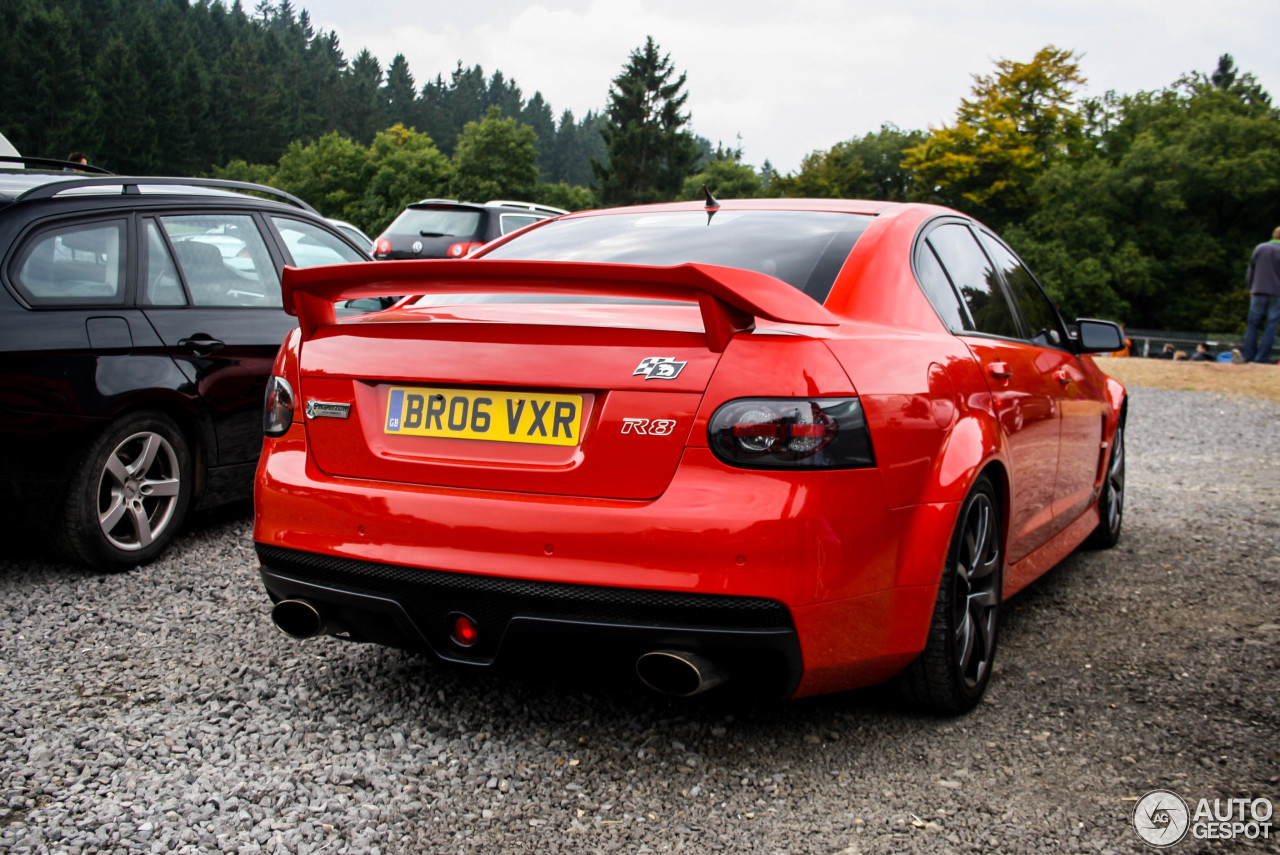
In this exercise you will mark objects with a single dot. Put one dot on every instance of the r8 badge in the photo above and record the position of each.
(659, 368)
(649, 427)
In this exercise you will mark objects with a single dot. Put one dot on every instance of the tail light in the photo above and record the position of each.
(791, 433)
(277, 413)
(461, 250)
(382, 246)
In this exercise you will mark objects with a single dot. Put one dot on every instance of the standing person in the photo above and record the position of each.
(76, 157)
(1263, 282)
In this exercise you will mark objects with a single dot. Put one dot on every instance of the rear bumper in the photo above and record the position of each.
(413, 609)
(851, 582)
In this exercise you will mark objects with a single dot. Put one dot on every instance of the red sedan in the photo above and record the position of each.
(801, 445)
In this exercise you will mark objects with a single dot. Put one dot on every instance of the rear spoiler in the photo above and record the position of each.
(730, 299)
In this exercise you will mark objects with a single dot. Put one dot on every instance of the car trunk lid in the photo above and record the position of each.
(583, 398)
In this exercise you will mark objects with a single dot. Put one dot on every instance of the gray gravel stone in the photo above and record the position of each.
(158, 710)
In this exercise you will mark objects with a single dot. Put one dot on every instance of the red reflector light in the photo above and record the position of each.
(382, 247)
(757, 430)
(791, 433)
(465, 631)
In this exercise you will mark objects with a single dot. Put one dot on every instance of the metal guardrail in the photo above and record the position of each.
(1151, 343)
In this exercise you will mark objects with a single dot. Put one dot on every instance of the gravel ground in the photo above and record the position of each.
(159, 711)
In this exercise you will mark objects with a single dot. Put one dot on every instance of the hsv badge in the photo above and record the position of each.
(659, 368)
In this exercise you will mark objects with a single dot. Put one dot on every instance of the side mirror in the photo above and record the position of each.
(1098, 336)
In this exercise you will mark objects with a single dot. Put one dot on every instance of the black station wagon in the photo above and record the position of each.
(139, 318)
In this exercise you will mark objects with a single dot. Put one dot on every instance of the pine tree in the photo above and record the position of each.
(649, 155)
(537, 115)
(400, 95)
(364, 107)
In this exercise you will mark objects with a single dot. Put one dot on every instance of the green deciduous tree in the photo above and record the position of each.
(867, 167)
(342, 179)
(496, 158)
(649, 152)
(1015, 124)
(726, 176)
(570, 197)
(1157, 227)
(404, 166)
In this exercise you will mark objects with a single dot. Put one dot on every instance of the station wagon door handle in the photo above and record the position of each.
(200, 345)
(1000, 370)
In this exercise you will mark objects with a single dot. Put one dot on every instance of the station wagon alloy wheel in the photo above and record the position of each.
(138, 491)
(129, 493)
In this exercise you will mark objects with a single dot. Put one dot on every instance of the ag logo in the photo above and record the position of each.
(659, 368)
(1161, 818)
(649, 427)
(417, 246)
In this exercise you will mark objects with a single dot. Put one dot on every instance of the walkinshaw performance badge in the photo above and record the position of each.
(327, 410)
(659, 368)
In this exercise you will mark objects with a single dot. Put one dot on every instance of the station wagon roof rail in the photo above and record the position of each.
(130, 187)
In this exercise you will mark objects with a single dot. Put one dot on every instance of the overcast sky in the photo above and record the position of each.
(794, 77)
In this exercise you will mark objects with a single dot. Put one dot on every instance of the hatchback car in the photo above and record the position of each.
(798, 445)
(445, 228)
(357, 236)
(138, 321)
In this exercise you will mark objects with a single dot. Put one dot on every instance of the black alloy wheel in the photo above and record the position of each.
(1111, 502)
(129, 494)
(952, 673)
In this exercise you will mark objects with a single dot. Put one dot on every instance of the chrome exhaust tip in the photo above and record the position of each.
(297, 619)
(679, 673)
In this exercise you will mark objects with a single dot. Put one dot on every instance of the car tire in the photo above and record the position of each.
(952, 673)
(1111, 502)
(128, 494)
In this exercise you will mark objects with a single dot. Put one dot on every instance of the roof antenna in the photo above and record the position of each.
(713, 205)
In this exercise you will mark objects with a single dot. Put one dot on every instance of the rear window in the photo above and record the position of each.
(805, 249)
(436, 222)
(78, 264)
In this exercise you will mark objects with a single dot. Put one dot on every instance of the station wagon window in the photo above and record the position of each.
(80, 264)
(161, 285)
(975, 279)
(223, 260)
(310, 246)
(1037, 312)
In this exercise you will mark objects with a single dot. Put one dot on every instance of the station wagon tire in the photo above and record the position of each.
(952, 673)
(128, 495)
(1111, 502)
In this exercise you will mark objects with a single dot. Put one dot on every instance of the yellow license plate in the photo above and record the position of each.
(530, 417)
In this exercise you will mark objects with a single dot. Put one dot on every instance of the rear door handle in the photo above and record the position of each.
(201, 344)
(999, 370)
(1062, 376)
